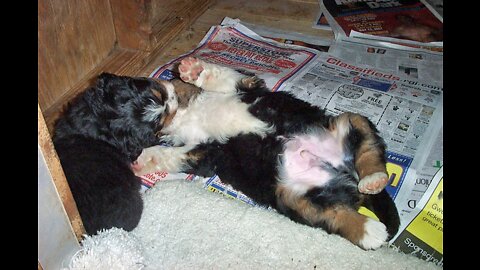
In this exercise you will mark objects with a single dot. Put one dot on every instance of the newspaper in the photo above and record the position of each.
(436, 6)
(406, 22)
(408, 111)
(422, 234)
(150, 179)
(420, 64)
(295, 38)
(233, 45)
(423, 171)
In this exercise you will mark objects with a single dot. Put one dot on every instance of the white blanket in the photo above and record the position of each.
(187, 227)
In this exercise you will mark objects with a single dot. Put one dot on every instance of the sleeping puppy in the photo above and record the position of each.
(280, 151)
(98, 136)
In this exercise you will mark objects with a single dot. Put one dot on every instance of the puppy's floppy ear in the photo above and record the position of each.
(140, 84)
(185, 91)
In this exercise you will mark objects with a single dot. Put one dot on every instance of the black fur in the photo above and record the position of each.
(249, 162)
(112, 111)
(104, 188)
(100, 133)
(288, 113)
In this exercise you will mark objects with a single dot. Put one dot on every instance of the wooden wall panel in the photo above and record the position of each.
(73, 37)
(140, 25)
(132, 23)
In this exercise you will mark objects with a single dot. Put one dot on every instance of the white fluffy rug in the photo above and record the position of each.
(187, 227)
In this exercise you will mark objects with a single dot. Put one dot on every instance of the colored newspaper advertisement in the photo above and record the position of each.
(422, 234)
(233, 45)
(408, 111)
(406, 22)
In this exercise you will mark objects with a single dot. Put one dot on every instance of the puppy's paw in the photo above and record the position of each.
(161, 159)
(375, 235)
(252, 82)
(190, 69)
(147, 161)
(373, 183)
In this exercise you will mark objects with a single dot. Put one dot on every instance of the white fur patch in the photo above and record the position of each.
(342, 127)
(172, 100)
(213, 116)
(161, 158)
(217, 113)
(154, 110)
(217, 78)
(375, 234)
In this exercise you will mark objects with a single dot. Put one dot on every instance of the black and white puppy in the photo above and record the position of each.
(98, 136)
(281, 152)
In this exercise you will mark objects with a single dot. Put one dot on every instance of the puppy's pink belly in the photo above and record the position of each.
(311, 177)
(306, 156)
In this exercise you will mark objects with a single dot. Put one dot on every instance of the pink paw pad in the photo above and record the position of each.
(190, 68)
(373, 183)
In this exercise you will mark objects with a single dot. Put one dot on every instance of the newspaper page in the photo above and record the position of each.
(422, 235)
(233, 45)
(436, 6)
(215, 184)
(150, 179)
(406, 22)
(419, 64)
(301, 39)
(422, 173)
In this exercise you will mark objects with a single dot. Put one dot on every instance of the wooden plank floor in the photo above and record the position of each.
(288, 15)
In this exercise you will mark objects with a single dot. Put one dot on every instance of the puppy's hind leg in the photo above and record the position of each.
(337, 218)
(369, 150)
(361, 136)
(208, 76)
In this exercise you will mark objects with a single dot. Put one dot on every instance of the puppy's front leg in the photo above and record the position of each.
(208, 76)
(162, 158)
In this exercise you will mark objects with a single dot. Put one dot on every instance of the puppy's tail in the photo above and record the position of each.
(384, 208)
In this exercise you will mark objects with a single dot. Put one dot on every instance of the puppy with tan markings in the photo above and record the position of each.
(280, 151)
